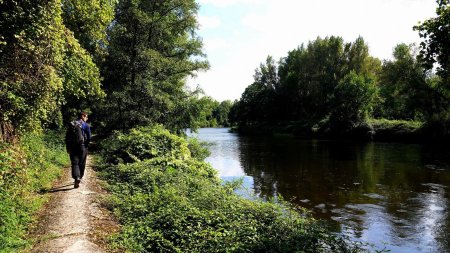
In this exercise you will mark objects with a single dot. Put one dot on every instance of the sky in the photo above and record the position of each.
(238, 35)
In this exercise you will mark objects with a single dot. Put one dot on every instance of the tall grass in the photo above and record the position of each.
(26, 169)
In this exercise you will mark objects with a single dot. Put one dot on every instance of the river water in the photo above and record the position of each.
(395, 196)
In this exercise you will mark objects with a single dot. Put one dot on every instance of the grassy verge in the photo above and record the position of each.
(386, 124)
(397, 130)
(169, 201)
(26, 169)
(373, 129)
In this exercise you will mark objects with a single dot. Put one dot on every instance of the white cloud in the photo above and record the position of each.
(230, 85)
(224, 3)
(382, 24)
(207, 22)
(216, 44)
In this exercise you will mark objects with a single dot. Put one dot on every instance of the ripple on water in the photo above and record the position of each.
(374, 196)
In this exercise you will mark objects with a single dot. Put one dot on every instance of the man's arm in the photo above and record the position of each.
(87, 131)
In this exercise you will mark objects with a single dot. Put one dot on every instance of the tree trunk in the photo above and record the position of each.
(7, 132)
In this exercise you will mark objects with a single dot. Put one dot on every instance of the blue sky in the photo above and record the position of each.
(239, 34)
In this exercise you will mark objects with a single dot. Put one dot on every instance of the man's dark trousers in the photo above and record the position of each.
(78, 160)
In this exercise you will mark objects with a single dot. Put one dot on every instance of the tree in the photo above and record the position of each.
(194, 112)
(209, 112)
(256, 103)
(153, 48)
(301, 88)
(435, 52)
(81, 79)
(403, 86)
(308, 75)
(352, 101)
(435, 49)
(221, 112)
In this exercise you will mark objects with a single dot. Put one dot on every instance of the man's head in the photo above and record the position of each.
(83, 116)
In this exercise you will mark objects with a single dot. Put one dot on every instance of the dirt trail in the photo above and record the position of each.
(73, 220)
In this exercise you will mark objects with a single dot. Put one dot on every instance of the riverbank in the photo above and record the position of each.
(372, 130)
(167, 200)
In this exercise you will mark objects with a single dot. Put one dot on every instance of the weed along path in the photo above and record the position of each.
(73, 220)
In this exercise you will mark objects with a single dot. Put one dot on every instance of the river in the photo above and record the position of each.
(395, 196)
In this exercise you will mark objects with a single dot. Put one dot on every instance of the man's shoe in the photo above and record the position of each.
(77, 183)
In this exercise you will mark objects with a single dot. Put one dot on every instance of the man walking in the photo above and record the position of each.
(78, 137)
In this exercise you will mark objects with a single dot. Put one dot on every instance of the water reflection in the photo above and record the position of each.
(396, 194)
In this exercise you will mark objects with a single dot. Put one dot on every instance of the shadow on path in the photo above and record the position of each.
(63, 188)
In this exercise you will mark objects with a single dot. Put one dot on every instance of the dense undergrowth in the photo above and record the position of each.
(169, 201)
(26, 169)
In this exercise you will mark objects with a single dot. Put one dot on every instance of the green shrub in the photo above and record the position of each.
(168, 204)
(408, 125)
(199, 149)
(397, 130)
(26, 169)
(171, 205)
(144, 143)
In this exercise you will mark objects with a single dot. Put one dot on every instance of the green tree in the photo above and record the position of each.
(301, 88)
(358, 59)
(221, 112)
(435, 52)
(234, 116)
(81, 79)
(308, 75)
(352, 101)
(153, 48)
(256, 103)
(87, 20)
(201, 112)
(436, 45)
(403, 86)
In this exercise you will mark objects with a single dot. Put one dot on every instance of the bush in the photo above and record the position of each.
(199, 149)
(397, 130)
(144, 143)
(169, 204)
